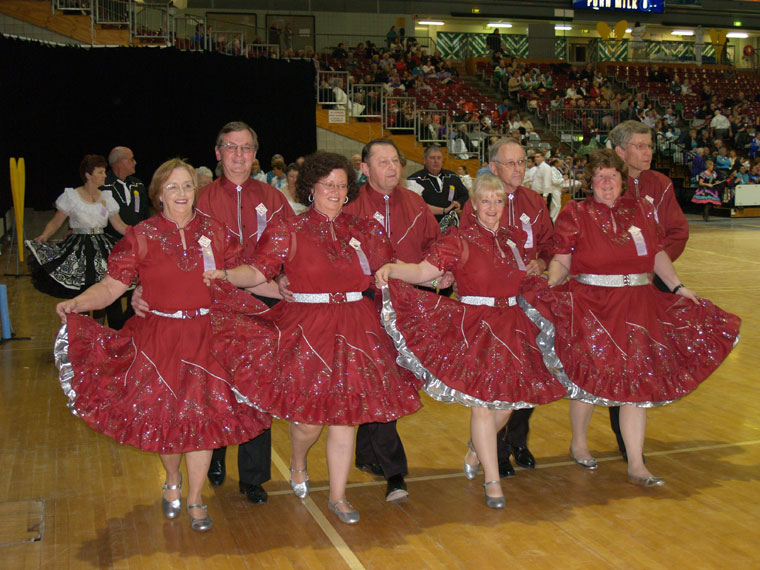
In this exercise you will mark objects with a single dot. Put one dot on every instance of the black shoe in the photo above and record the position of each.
(396, 491)
(254, 493)
(523, 457)
(506, 469)
(373, 468)
(216, 472)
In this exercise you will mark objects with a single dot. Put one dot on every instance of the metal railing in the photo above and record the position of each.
(325, 42)
(262, 50)
(81, 6)
(575, 120)
(331, 86)
(466, 140)
(366, 100)
(432, 126)
(189, 33)
(151, 22)
(230, 42)
(399, 113)
(112, 12)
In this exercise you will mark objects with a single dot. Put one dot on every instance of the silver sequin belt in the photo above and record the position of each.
(183, 314)
(349, 297)
(490, 301)
(87, 231)
(629, 280)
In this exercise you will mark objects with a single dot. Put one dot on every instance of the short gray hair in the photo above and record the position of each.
(432, 148)
(234, 127)
(495, 147)
(622, 134)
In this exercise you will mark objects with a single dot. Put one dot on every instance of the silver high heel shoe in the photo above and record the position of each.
(646, 481)
(172, 509)
(470, 471)
(590, 464)
(300, 490)
(494, 502)
(201, 525)
(349, 517)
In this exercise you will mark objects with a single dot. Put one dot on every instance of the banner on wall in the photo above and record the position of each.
(645, 6)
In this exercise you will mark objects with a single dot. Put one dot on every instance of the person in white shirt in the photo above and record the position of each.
(256, 172)
(542, 177)
(557, 180)
(720, 125)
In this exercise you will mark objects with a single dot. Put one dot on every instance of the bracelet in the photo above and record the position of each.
(677, 287)
(226, 275)
(434, 283)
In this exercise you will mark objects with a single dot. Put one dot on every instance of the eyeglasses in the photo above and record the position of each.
(186, 187)
(333, 186)
(234, 148)
(512, 163)
(641, 146)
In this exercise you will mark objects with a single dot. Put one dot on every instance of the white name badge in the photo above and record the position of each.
(379, 218)
(516, 253)
(363, 261)
(528, 229)
(261, 220)
(638, 240)
(208, 255)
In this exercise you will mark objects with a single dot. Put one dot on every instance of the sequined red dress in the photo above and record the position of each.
(475, 355)
(154, 384)
(629, 344)
(317, 363)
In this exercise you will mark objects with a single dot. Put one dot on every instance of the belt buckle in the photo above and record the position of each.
(338, 297)
(191, 313)
(626, 280)
(501, 302)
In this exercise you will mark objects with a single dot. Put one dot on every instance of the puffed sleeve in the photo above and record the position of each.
(567, 229)
(65, 202)
(272, 249)
(379, 249)
(122, 263)
(446, 251)
(110, 203)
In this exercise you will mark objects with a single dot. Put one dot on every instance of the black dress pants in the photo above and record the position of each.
(514, 434)
(380, 443)
(254, 459)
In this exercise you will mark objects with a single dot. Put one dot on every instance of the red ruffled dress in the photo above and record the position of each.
(154, 384)
(320, 362)
(475, 355)
(627, 344)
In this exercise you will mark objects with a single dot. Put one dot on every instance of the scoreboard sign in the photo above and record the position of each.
(647, 6)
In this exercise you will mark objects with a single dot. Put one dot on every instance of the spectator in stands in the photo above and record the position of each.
(723, 162)
(697, 163)
(256, 172)
(356, 161)
(675, 85)
(720, 126)
(685, 87)
(650, 118)
(754, 146)
(465, 177)
(270, 174)
(391, 35)
(340, 52)
(278, 178)
(289, 188)
(547, 82)
(514, 85)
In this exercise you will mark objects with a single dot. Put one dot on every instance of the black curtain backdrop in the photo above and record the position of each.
(59, 103)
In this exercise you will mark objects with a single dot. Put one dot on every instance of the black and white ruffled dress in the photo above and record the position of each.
(66, 269)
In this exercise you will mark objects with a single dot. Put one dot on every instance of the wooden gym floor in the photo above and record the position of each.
(71, 498)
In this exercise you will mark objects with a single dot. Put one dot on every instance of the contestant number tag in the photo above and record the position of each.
(209, 264)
